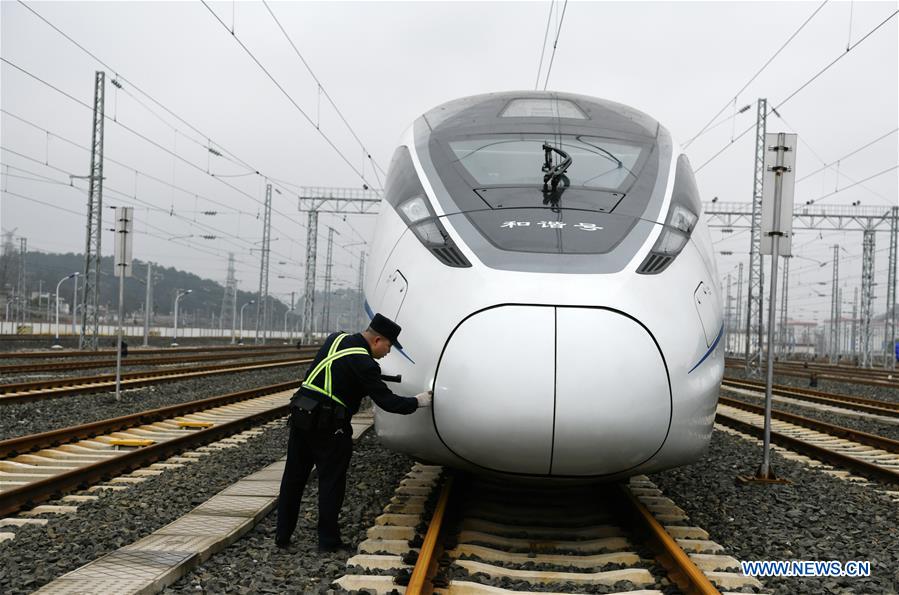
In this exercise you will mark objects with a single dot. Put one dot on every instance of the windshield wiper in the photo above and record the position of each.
(552, 174)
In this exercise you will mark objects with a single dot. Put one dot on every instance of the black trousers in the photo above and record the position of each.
(330, 451)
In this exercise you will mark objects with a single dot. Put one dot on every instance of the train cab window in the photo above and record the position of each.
(517, 160)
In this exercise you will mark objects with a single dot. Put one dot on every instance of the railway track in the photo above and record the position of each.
(36, 468)
(875, 406)
(72, 353)
(484, 532)
(43, 389)
(868, 455)
(132, 361)
(864, 376)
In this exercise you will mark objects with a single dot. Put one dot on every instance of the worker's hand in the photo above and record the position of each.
(424, 399)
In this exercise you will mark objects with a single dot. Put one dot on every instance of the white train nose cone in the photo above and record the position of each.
(552, 391)
(613, 398)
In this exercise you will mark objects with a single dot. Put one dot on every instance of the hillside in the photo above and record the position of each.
(202, 307)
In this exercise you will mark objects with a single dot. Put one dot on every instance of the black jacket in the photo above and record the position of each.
(356, 376)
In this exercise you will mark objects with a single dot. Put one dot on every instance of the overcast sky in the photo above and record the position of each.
(383, 64)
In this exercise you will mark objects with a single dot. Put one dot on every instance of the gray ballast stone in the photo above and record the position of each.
(39, 554)
(254, 565)
(816, 517)
(19, 419)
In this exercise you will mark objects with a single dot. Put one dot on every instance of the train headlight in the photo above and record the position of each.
(415, 209)
(404, 191)
(679, 224)
(677, 231)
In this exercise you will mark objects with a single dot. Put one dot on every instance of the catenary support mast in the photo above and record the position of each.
(755, 297)
(90, 288)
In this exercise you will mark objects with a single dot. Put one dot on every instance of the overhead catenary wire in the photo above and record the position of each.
(847, 155)
(154, 178)
(292, 101)
(232, 157)
(549, 18)
(756, 75)
(799, 89)
(322, 88)
(840, 174)
(552, 56)
(871, 177)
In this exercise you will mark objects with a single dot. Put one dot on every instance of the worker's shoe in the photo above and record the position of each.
(282, 543)
(333, 548)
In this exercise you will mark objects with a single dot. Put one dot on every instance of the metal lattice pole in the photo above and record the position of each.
(360, 311)
(229, 303)
(754, 294)
(262, 305)
(834, 306)
(890, 323)
(148, 304)
(90, 288)
(309, 295)
(739, 345)
(784, 307)
(867, 294)
(728, 317)
(326, 310)
(21, 289)
(853, 344)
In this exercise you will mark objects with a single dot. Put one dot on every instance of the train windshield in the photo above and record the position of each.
(517, 160)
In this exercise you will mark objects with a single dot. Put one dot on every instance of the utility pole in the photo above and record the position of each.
(867, 294)
(148, 304)
(326, 311)
(739, 345)
(835, 306)
(853, 346)
(784, 307)
(360, 311)
(890, 322)
(229, 300)
(21, 290)
(289, 329)
(90, 320)
(124, 229)
(309, 303)
(755, 299)
(262, 305)
(775, 231)
(728, 319)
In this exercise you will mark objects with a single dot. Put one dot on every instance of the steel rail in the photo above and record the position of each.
(46, 354)
(879, 407)
(105, 382)
(881, 442)
(139, 361)
(864, 468)
(821, 366)
(681, 569)
(825, 375)
(52, 487)
(25, 444)
(426, 565)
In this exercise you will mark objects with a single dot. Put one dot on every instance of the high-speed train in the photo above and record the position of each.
(545, 256)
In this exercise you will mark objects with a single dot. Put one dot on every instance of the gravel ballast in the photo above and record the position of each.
(38, 554)
(883, 393)
(855, 422)
(20, 419)
(816, 517)
(254, 565)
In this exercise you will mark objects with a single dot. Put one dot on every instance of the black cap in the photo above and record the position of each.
(386, 328)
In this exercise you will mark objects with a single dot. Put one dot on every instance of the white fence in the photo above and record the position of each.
(107, 330)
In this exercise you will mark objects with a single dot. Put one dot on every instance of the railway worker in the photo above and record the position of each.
(342, 373)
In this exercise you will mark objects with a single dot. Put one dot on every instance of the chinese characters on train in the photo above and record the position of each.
(551, 225)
